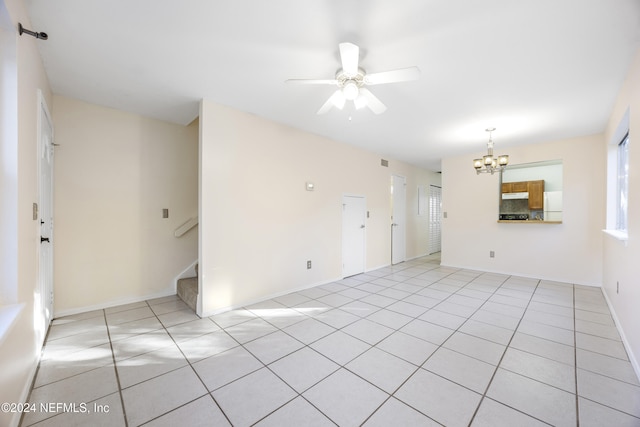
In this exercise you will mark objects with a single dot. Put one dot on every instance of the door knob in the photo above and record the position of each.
(44, 239)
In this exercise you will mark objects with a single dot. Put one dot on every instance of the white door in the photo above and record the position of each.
(354, 212)
(398, 219)
(45, 150)
(435, 222)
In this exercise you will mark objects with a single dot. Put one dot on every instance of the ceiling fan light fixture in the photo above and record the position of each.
(350, 91)
(351, 82)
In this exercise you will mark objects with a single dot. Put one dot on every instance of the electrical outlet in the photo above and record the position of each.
(308, 265)
(492, 254)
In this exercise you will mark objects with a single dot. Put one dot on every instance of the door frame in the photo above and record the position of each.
(364, 237)
(435, 219)
(404, 219)
(45, 284)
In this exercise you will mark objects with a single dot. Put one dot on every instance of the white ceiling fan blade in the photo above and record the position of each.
(400, 75)
(349, 55)
(312, 81)
(372, 102)
(336, 100)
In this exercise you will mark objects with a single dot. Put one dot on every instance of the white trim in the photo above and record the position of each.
(621, 130)
(43, 109)
(366, 219)
(612, 171)
(9, 315)
(301, 288)
(622, 236)
(268, 297)
(115, 303)
(623, 337)
(527, 276)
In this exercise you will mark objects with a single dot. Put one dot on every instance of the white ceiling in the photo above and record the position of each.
(537, 70)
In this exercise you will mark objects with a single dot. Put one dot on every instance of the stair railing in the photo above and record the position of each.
(188, 225)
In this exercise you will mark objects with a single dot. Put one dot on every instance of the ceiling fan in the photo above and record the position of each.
(351, 81)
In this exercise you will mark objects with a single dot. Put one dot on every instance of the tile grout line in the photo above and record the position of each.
(115, 369)
(421, 366)
(378, 308)
(502, 357)
(208, 393)
(340, 366)
(148, 305)
(412, 317)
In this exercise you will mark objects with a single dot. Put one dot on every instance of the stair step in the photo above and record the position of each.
(188, 291)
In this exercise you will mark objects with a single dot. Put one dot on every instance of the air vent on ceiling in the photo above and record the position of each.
(384, 163)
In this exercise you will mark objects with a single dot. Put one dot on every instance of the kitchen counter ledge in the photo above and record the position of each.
(528, 221)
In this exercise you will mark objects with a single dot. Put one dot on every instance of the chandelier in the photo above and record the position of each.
(488, 163)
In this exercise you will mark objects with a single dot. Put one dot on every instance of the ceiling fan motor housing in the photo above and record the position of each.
(350, 85)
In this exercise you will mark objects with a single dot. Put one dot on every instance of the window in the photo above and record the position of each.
(622, 191)
(618, 181)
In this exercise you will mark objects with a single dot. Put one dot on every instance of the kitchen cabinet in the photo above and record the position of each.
(520, 187)
(534, 188)
(515, 187)
(536, 195)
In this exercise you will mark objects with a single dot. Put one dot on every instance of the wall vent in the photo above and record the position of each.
(384, 163)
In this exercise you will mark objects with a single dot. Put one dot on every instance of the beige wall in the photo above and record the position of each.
(621, 259)
(567, 252)
(20, 345)
(114, 173)
(259, 225)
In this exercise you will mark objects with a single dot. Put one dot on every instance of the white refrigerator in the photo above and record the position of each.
(553, 206)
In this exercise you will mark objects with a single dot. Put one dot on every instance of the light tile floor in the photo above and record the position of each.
(408, 345)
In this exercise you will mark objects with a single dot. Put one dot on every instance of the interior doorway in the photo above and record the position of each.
(398, 219)
(354, 212)
(435, 219)
(44, 211)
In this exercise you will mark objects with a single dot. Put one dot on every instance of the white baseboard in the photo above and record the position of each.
(114, 303)
(279, 294)
(625, 342)
(528, 276)
(11, 315)
(266, 298)
(27, 389)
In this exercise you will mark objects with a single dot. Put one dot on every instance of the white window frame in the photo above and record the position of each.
(614, 202)
(622, 189)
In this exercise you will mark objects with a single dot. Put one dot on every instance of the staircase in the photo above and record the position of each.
(188, 290)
